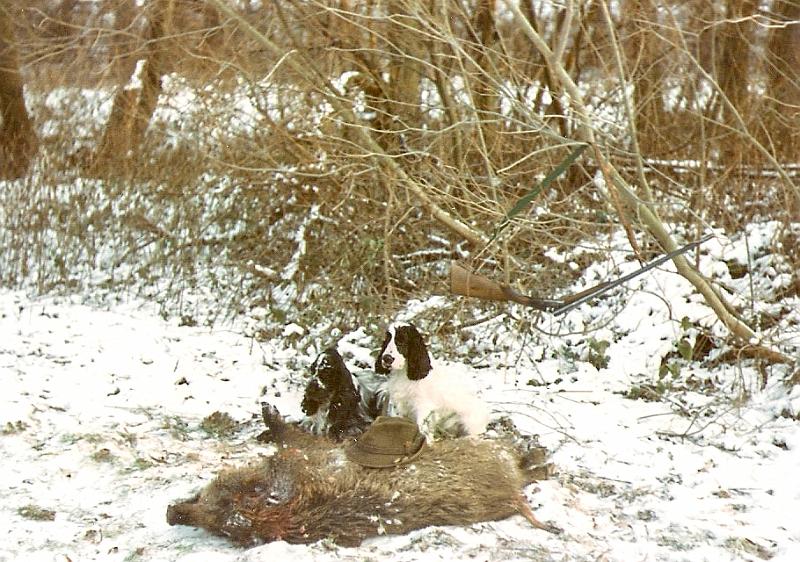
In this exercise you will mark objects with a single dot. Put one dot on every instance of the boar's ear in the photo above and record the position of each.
(276, 428)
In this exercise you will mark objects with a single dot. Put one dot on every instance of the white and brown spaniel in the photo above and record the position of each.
(434, 395)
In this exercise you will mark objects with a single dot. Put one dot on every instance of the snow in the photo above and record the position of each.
(102, 404)
(135, 82)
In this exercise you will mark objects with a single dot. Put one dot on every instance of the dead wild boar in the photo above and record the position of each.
(309, 490)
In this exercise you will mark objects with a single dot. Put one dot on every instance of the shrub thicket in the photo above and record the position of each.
(175, 149)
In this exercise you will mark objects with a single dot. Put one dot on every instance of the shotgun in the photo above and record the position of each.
(465, 283)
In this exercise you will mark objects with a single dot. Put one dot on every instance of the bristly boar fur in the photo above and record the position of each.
(305, 495)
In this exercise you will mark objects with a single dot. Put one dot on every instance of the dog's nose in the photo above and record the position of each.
(387, 360)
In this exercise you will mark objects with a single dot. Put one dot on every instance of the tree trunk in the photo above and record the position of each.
(648, 51)
(732, 56)
(18, 142)
(783, 86)
(123, 44)
(135, 102)
(731, 66)
(486, 98)
(405, 72)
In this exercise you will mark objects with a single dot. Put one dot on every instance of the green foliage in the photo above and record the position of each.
(14, 427)
(36, 513)
(669, 368)
(177, 428)
(135, 554)
(597, 353)
(140, 464)
(220, 425)
(684, 348)
(649, 392)
(103, 455)
(682, 353)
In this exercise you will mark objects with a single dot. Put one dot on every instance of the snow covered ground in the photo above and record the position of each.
(101, 408)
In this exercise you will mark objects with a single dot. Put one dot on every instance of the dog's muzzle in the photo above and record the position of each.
(387, 361)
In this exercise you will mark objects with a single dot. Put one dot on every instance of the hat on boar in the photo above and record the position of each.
(389, 441)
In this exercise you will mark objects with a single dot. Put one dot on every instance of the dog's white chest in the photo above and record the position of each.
(439, 403)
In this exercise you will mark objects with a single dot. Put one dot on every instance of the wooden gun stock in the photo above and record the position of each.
(465, 283)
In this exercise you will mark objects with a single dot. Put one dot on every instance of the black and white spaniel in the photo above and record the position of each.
(337, 403)
(430, 393)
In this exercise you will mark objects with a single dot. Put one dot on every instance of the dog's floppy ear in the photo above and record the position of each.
(338, 364)
(419, 362)
(340, 377)
(379, 368)
(331, 370)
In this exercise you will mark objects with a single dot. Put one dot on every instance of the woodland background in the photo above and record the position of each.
(325, 160)
(275, 177)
